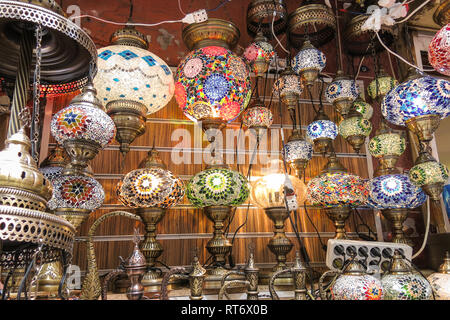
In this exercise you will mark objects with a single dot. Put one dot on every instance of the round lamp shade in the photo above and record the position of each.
(381, 86)
(298, 149)
(364, 108)
(51, 173)
(387, 144)
(406, 287)
(309, 58)
(212, 82)
(217, 187)
(394, 191)
(439, 51)
(342, 89)
(150, 187)
(417, 97)
(258, 56)
(76, 192)
(286, 87)
(428, 173)
(257, 116)
(337, 189)
(322, 129)
(268, 191)
(132, 73)
(355, 126)
(357, 287)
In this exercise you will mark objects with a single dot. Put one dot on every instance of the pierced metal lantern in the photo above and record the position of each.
(439, 51)
(151, 190)
(321, 132)
(216, 190)
(401, 283)
(260, 14)
(258, 55)
(257, 117)
(381, 85)
(297, 152)
(309, 62)
(355, 129)
(288, 87)
(83, 128)
(440, 281)
(132, 83)
(342, 92)
(394, 194)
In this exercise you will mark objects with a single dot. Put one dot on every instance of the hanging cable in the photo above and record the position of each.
(414, 12)
(274, 35)
(219, 6)
(427, 230)
(179, 7)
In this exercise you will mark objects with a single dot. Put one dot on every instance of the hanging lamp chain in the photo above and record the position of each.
(35, 132)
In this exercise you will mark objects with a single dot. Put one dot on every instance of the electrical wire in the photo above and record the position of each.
(427, 229)
(126, 23)
(179, 7)
(219, 6)
(414, 12)
(274, 35)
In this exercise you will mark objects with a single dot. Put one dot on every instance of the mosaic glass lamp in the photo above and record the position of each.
(439, 51)
(82, 128)
(258, 54)
(288, 88)
(151, 190)
(257, 117)
(268, 193)
(297, 152)
(321, 132)
(337, 191)
(217, 189)
(394, 194)
(309, 62)
(342, 92)
(354, 128)
(381, 85)
(54, 164)
(440, 281)
(419, 104)
(364, 108)
(401, 283)
(132, 83)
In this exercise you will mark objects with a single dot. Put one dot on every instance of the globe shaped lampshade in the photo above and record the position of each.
(321, 133)
(417, 97)
(440, 281)
(309, 62)
(431, 176)
(342, 92)
(212, 82)
(258, 55)
(364, 108)
(387, 144)
(381, 85)
(257, 115)
(288, 87)
(268, 191)
(439, 51)
(150, 187)
(217, 187)
(355, 129)
(394, 191)
(298, 149)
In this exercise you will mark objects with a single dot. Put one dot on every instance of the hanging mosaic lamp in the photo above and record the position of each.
(151, 190)
(394, 194)
(82, 128)
(387, 146)
(342, 92)
(354, 128)
(297, 152)
(288, 88)
(355, 284)
(268, 193)
(258, 55)
(419, 104)
(132, 83)
(439, 51)
(321, 132)
(440, 281)
(212, 84)
(337, 191)
(381, 85)
(401, 283)
(257, 117)
(309, 62)
(54, 164)
(364, 108)
(217, 189)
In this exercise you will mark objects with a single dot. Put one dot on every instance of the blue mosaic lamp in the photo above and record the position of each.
(394, 194)
(297, 152)
(132, 83)
(309, 62)
(342, 92)
(321, 132)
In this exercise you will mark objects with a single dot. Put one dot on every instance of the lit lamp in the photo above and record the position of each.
(321, 132)
(381, 85)
(342, 92)
(132, 83)
(212, 84)
(394, 194)
(82, 128)
(268, 193)
(309, 62)
(438, 51)
(440, 281)
(337, 191)
(354, 128)
(288, 88)
(297, 152)
(217, 189)
(258, 54)
(257, 117)
(401, 283)
(151, 190)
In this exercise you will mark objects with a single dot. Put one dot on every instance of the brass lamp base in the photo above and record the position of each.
(50, 277)
(322, 145)
(150, 247)
(213, 32)
(80, 152)
(73, 215)
(338, 215)
(356, 142)
(396, 217)
(387, 165)
(129, 118)
(298, 165)
(279, 245)
(310, 76)
(434, 190)
(424, 126)
(343, 106)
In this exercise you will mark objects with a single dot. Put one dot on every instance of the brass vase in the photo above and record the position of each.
(396, 217)
(424, 126)
(339, 215)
